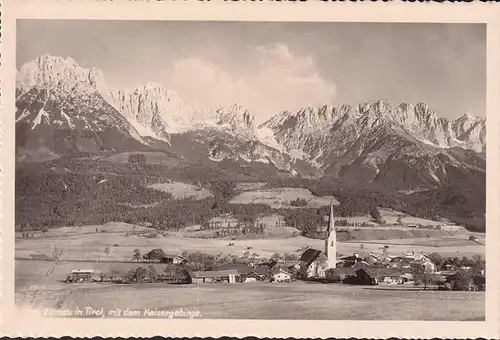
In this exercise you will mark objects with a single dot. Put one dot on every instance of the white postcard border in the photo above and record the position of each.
(28, 323)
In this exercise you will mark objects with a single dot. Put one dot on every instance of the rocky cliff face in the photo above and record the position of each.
(60, 103)
(56, 98)
(151, 110)
(379, 142)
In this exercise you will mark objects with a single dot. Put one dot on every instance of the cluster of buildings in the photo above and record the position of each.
(241, 273)
(373, 269)
(316, 264)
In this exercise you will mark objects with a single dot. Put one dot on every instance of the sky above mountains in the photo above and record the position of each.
(269, 67)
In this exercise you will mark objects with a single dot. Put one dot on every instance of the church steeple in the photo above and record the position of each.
(331, 241)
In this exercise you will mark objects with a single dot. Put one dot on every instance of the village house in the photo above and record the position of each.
(242, 268)
(375, 276)
(84, 275)
(216, 276)
(252, 277)
(313, 263)
(425, 263)
(400, 262)
(407, 278)
(282, 276)
(172, 259)
(264, 272)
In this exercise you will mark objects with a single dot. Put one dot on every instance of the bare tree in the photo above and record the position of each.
(137, 255)
(421, 276)
(56, 258)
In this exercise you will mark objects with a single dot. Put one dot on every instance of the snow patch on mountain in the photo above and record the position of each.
(39, 118)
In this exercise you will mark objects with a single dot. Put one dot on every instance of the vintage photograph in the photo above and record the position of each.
(251, 170)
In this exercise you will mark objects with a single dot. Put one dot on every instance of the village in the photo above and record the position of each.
(409, 269)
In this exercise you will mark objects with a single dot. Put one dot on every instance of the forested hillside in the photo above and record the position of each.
(83, 191)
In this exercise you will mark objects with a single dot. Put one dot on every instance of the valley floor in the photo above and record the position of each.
(91, 246)
(296, 300)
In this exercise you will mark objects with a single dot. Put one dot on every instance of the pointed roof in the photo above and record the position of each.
(331, 221)
(311, 255)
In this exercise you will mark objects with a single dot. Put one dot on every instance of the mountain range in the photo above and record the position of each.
(65, 108)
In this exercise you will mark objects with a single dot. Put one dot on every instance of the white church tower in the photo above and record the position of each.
(331, 241)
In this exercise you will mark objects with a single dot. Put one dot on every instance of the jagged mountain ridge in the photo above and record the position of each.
(148, 113)
(152, 110)
(399, 146)
(418, 120)
(406, 145)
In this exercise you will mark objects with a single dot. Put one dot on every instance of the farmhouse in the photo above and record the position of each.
(426, 264)
(264, 272)
(172, 259)
(282, 276)
(216, 276)
(84, 275)
(375, 276)
(242, 269)
(313, 263)
(251, 277)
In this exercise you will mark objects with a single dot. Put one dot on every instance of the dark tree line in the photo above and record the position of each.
(68, 191)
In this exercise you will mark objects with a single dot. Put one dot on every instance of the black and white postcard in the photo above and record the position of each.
(276, 173)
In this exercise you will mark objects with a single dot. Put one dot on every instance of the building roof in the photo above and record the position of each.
(215, 273)
(252, 274)
(402, 260)
(283, 272)
(240, 267)
(263, 270)
(171, 256)
(423, 261)
(378, 272)
(271, 263)
(311, 255)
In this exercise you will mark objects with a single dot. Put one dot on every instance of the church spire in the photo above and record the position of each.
(331, 241)
(331, 220)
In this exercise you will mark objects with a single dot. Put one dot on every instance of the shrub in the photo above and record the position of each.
(462, 280)
(332, 275)
(299, 202)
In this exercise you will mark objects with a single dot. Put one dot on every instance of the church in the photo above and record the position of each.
(314, 262)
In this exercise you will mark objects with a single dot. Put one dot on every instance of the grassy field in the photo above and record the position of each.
(180, 190)
(394, 217)
(281, 198)
(296, 300)
(441, 242)
(90, 246)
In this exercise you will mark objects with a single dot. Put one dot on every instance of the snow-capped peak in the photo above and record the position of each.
(296, 130)
(49, 71)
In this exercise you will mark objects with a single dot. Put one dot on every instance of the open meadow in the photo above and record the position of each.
(83, 243)
(181, 190)
(296, 300)
(281, 197)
